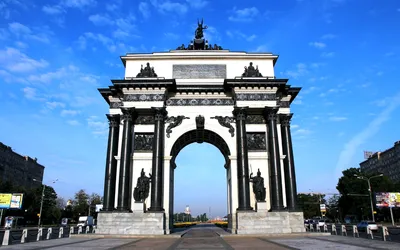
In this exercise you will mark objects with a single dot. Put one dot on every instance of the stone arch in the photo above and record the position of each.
(200, 137)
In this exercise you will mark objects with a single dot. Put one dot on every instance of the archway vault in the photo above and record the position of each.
(200, 136)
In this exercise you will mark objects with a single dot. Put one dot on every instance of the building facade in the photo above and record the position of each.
(19, 170)
(386, 162)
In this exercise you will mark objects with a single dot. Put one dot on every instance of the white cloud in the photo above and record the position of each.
(98, 19)
(300, 70)
(346, 156)
(243, 15)
(15, 61)
(144, 8)
(53, 10)
(328, 54)
(79, 3)
(301, 132)
(168, 6)
(73, 122)
(294, 126)
(337, 118)
(53, 105)
(112, 7)
(317, 45)
(69, 112)
(20, 30)
(31, 94)
(54, 75)
(328, 36)
(171, 36)
(197, 4)
(238, 34)
(98, 127)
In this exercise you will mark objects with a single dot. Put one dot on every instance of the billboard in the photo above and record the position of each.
(11, 201)
(387, 199)
(5, 200)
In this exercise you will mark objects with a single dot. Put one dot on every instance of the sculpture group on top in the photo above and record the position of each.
(147, 71)
(250, 71)
(199, 43)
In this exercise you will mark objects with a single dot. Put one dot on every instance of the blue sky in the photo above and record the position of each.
(55, 54)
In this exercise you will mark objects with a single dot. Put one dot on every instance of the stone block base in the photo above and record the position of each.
(263, 222)
(136, 223)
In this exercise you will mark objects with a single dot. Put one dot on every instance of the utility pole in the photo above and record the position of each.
(369, 190)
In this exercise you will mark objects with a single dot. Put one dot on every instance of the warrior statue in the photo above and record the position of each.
(258, 186)
(199, 31)
(141, 191)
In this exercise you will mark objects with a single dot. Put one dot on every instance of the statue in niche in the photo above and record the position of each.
(258, 186)
(198, 34)
(141, 191)
(174, 122)
(250, 71)
(147, 71)
(226, 121)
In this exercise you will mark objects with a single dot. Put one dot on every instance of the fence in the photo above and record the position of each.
(20, 236)
(383, 233)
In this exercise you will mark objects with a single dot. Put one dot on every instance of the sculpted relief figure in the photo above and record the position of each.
(258, 186)
(174, 122)
(141, 191)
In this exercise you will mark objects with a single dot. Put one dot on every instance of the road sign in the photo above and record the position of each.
(322, 207)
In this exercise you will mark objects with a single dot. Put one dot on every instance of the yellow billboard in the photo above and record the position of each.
(5, 201)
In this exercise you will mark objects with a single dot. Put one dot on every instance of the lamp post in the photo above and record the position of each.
(368, 179)
(41, 201)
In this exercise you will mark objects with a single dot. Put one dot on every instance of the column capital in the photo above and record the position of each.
(159, 113)
(285, 119)
(270, 113)
(127, 113)
(240, 113)
(113, 120)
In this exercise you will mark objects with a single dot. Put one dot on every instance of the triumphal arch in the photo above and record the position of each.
(199, 93)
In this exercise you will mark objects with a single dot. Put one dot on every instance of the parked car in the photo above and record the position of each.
(363, 225)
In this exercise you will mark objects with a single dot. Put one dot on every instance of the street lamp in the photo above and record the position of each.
(41, 201)
(369, 190)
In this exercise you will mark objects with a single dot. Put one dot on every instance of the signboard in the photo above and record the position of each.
(322, 207)
(5, 200)
(16, 201)
(8, 222)
(99, 207)
(387, 199)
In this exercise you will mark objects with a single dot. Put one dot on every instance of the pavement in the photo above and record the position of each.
(209, 237)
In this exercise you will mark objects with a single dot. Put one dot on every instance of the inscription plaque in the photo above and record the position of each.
(198, 71)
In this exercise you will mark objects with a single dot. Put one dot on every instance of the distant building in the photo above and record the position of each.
(386, 162)
(19, 170)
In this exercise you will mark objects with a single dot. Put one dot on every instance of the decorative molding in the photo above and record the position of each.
(144, 97)
(284, 104)
(148, 119)
(174, 122)
(200, 102)
(226, 121)
(255, 119)
(143, 141)
(115, 105)
(256, 97)
(271, 114)
(127, 114)
(285, 119)
(256, 141)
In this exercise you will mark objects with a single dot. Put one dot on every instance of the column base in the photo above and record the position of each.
(245, 209)
(122, 210)
(155, 209)
(278, 208)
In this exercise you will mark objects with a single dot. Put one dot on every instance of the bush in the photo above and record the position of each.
(223, 224)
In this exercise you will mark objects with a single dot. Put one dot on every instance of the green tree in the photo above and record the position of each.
(354, 199)
(94, 199)
(310, 203)
(80, 204)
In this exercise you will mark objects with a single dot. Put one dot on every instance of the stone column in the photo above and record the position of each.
(157, 182)
(242, 160)
(111, 163)
(290, 176)
(124, 196)
(274, 159)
